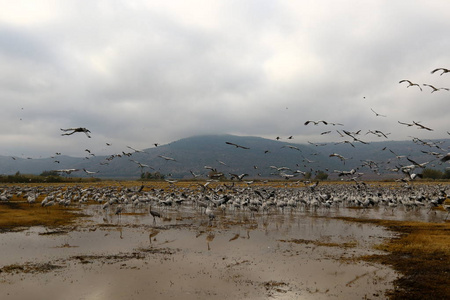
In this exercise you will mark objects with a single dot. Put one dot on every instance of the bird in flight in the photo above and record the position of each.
(434, 89)
(136, 150)
(67, 171)
(410, 83)
(292, 147)
(74, 130)
(236, 145)
(89, 172)
(316, 122)
(377, 114)
(446, 157)
(407, 124)
(421, 126)
(444, 70)
(343, 159)
(166, 157)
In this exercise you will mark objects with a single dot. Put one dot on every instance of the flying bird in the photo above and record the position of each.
(67, 171)
(74, 130)
(136, 150)
(407, 124)
(166, 157)
(421, 126)
(238, 177)
(292, 147)
(410, 83)
(377, 114)
(434, 89)
(441, 69)
(90, 172)
(446, 158)
(316, 122)
(236, 145)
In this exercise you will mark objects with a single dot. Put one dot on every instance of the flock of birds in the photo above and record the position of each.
(351, 138)
(211, 200)
(264, 199)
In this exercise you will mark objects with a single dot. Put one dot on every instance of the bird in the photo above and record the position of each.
(422, 165)
(447, 208)
(195, 175)
(118, 210)
(407, 124)
(154, 214)
(444, 70)
(141, 165)
(410, 83)
(343, 159)
(222, 163)
(74, 130)
(378, 133)
(316, 122)
(318, 144)
(292, 147)
(236, 145)
(136, 150)
(434, 89)
(238, 177)
(446, 157)
(89, 172)
(67, 171)
(421, 126)
(396, 155)
(166, 157)
(377, 114)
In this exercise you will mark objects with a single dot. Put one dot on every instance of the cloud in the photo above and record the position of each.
(136, 73)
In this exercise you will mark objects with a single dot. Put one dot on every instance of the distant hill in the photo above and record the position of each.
(259, 161)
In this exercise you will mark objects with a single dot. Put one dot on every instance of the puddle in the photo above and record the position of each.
(290, 255)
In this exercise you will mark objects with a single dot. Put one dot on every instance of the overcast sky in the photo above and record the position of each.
(142, 72)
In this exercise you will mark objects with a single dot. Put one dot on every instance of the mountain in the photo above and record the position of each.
(260, 160)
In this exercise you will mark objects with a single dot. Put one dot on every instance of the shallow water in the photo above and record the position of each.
(290, 255)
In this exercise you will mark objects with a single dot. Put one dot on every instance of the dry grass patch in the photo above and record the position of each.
(421, 252)
(14, 215)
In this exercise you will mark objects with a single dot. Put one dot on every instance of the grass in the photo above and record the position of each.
(14, 215)
(421, 252)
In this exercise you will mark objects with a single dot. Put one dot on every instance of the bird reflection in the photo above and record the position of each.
(209, 238)
(153, 233)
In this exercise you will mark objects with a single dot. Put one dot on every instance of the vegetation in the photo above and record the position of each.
(152, 176)
(321, 175)
(46, 176)
(15, 214)
(421, 253)
(435, 174)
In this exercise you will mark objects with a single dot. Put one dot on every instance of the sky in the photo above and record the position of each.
(137, 73)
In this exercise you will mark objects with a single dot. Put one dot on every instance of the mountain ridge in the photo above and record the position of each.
(259, 161)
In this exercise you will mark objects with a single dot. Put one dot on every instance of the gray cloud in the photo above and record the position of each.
(136, 73)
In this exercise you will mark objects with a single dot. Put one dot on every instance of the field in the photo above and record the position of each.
(199, 240)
